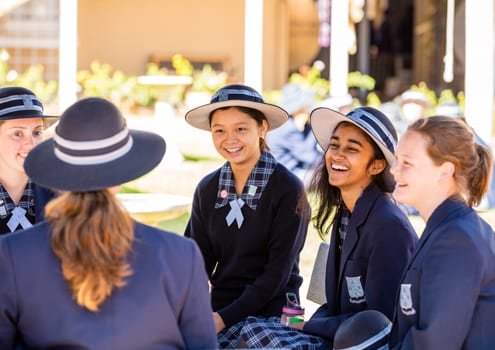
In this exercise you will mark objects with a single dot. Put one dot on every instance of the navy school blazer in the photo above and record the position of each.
(379, 242)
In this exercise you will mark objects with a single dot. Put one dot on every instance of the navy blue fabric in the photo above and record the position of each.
(451, 284)
(164, 304)
(377, 246)
(251, 268)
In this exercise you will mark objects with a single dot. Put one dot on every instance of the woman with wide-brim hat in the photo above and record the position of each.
(371, 239)
(21, 128)
(90, 277)
(245, 215)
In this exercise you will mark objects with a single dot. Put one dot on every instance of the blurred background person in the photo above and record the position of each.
(293, 143)
(413, 105)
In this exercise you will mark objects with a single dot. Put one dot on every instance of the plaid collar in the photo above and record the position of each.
(255, 184)
(26, 202)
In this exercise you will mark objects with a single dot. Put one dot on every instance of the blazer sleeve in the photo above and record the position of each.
(447, 302)
(196, 319)
(7, 298)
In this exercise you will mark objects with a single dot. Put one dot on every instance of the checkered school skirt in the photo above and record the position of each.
(269, 333)
(229, 337)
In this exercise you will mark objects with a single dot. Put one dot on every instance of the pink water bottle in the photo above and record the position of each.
(292, 312)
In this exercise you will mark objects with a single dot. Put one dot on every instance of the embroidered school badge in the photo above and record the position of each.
(355, 290)
(406, 304)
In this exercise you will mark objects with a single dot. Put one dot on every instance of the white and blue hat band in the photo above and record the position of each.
(236, 95)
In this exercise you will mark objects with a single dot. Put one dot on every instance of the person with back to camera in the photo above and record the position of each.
(371, 238)
(447, 292)
(21, 128)
(90, 277)
(249, 217)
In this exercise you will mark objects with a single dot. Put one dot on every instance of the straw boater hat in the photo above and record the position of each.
(370, 120)
(18, 103)
(92, 149)
(236, 95)
(366, 330)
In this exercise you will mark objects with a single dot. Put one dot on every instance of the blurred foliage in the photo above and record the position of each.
(204, 80)
(32, 79)
(311, 80)
(373, 100)
(103, 81)
(361, 81)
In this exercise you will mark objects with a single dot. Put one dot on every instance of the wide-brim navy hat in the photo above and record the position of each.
(92, 149)
(366, 330)
(17, 103)
(236, 95)
(370, 120)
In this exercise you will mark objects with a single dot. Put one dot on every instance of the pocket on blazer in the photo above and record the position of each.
(354, 281)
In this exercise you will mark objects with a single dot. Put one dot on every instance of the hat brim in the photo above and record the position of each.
(323, 123)
(48, 120)
(46, 169)
(199, 116)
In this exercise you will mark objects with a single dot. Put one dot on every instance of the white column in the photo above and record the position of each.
(479, 70)
(67, 71)
(253, 44)
(339, 44)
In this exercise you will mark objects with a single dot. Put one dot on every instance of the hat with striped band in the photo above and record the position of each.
(236, 95)
(366, 330)
(17, 102)
(93, 149)
(370, 120)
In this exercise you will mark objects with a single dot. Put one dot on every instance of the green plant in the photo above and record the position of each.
(313, 81)
(208, 80)
(103, 81)
(32, 79)
(362, 81)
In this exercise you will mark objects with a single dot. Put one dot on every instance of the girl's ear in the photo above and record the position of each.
(447, 170)
(263, 128)
(377, 166)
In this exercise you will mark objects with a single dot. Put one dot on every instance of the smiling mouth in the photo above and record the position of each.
(233, 150)
(336, 167)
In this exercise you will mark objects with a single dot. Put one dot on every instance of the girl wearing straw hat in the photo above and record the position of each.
(21, 128)
(371, 238)
(249, 217)
(90, 277)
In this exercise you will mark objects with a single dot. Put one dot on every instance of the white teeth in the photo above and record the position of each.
(339, 167)
(232, 150)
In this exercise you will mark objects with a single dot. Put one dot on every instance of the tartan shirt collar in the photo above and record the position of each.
(253, 189)
(26, 202)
